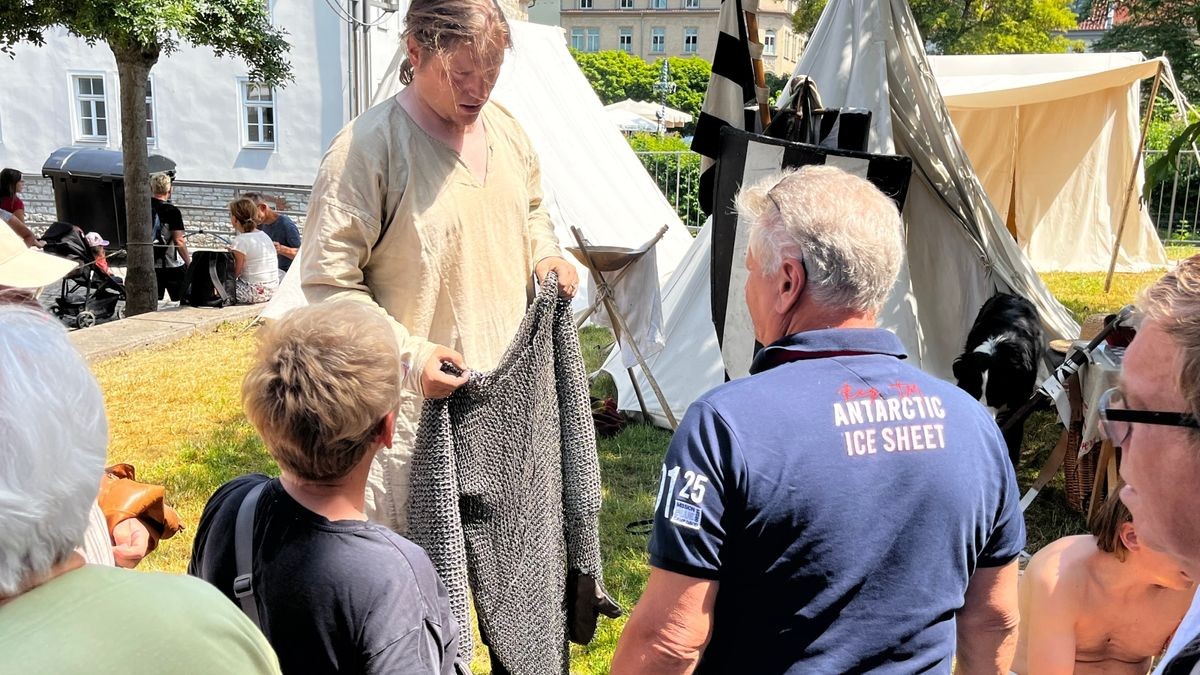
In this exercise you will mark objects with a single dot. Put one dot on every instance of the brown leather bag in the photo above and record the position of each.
(122, 497)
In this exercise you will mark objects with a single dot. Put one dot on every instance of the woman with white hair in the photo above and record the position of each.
(57, 613)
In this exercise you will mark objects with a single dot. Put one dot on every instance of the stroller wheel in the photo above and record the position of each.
(85, 319)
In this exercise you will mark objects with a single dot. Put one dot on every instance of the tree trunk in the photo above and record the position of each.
(133, 69)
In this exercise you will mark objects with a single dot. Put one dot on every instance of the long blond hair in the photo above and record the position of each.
(439, 26)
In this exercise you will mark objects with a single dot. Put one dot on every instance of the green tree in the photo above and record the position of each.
(675, 169)
(979, 27)
(139, 32)
(1155, 27)
(616, 75)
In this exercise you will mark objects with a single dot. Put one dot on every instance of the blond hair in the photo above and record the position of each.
(244, 211)
(846, 231)
(324, 378)
(440, 26)
(1105, 524)
(1173, 302)
(160, 183)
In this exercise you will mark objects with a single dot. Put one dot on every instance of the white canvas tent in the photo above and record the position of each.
(868, 54)
(649, 112)
(1054, 140)
(591, 179)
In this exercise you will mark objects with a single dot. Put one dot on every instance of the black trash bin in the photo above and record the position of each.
(89, 189)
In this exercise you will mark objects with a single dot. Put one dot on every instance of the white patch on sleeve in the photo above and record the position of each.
(685, 514)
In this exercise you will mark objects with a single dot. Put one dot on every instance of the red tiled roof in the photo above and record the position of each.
(1098, 19)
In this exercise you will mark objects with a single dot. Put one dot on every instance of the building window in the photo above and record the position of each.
(577, 40)
(91, 108)
(585, 4)
(769, 43)
(691, 39)
(691, 4)
(625, 40)
(151, 125)
(658, 4)
(258, 115)
(626, 4)
(658, 40)
(593, 39)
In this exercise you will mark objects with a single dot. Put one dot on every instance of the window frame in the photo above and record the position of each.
(244, 105)
(592, 39)
(622, 33)
(76, 98)
(659, 47)
(151, 113)
(693, 33)
(769, 40)
(691, 4)
(658, 4)
(578, 33)
(626, 4)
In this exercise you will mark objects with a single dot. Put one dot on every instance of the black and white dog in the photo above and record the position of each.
(999, 363)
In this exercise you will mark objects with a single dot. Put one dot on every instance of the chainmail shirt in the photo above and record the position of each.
(506, 491)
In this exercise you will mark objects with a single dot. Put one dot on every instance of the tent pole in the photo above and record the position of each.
(1137, 165)
(760, 75)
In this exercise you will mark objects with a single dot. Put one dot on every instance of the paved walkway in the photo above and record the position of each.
(166, 325)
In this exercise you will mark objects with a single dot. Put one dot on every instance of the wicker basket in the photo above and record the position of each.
(1080, 473)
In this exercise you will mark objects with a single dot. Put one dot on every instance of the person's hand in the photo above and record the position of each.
(278, 248)
(568, 278)
(131, 542)
(437, 384)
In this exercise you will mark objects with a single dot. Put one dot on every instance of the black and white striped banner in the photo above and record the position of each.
(730, 90)
(746, 158)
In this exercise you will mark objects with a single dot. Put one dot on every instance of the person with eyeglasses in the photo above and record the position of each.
(1152, 416)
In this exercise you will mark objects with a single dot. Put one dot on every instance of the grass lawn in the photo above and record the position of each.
(175, 413)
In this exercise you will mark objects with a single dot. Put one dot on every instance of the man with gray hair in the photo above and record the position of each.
(58, 614)
(838, 510)
(1153, 417)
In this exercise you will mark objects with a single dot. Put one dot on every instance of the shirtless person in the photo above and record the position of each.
(1104, 603)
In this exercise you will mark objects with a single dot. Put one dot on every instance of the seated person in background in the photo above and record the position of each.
(333, 591)
(254, 260)
(11, 183)
(97, 244)
(57, 613)
(281, 229)
(1099, 603)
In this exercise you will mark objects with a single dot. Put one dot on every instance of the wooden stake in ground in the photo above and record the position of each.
(1137, 166)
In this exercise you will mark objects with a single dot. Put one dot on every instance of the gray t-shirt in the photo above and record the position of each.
(333, 596)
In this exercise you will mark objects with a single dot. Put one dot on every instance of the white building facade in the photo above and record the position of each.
(202, 111)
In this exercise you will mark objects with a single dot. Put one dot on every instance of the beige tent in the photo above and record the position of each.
(1054, 141)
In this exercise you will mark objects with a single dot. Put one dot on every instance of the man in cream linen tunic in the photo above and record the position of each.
(398, 221)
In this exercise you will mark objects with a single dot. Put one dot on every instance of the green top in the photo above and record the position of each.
(107, 620)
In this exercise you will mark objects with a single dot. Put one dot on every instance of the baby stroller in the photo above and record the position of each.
(88, 293)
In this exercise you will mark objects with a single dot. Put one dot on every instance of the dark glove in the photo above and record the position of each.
(586, 601)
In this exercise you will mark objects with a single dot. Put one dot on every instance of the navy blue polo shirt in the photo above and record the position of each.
(842, 498)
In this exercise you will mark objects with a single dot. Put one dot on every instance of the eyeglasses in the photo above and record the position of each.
(1117, 418)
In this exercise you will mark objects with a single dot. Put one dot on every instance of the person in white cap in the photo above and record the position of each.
(24, 270)
(97, 244)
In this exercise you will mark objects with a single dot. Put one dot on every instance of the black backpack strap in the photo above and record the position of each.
(216, 281)
(243, 551)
